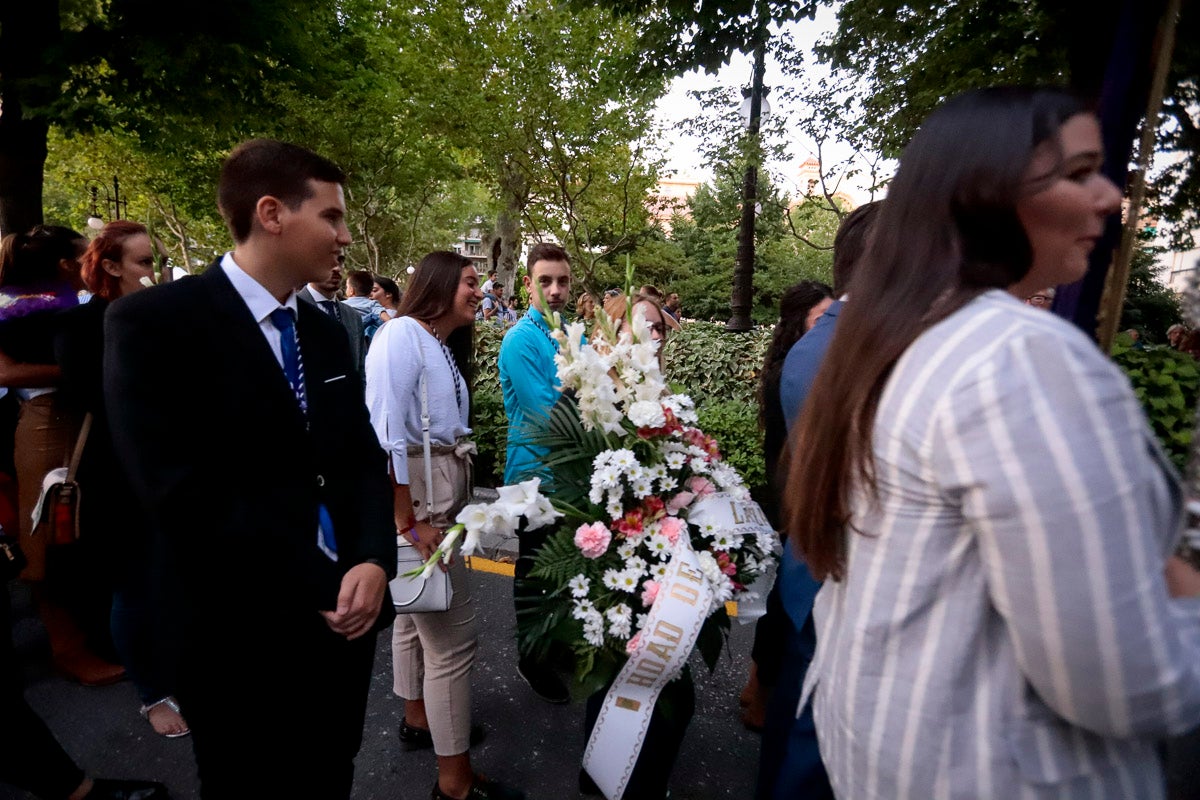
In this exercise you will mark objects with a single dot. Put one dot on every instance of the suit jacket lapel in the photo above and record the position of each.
(250, 357)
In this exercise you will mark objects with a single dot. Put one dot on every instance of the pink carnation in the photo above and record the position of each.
(679, 502)
(649, 592)
(632, 645)
(671, 527)
(701, 486)
(592, 540)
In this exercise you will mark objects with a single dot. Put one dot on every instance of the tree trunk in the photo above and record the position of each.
(22, 159)
(28, 31)
(508, 231)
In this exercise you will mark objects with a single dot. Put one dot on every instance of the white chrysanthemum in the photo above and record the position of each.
(636, 564)
(626, 549)
(582, 609)
(620, 620)
(667, 483)
(612, 579)
(682, 406)
(628, 580)
(676, 459)
(659, 571)
(623, 459)
(593, 629)
(709, 529)
(643, 487)
(639, 621)
(658, 545)
(708, 566)
(607, 477)
(725, 476)
(596, 495)
(726, 540)
(768, 542)
(602, 459)
(698, 465)
(658, 471)
(614, 507)
(579, 586)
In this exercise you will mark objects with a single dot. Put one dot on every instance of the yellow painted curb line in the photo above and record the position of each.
(480, 564)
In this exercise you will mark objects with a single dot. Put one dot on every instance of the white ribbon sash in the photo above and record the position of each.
(674, 622)
(668, 637)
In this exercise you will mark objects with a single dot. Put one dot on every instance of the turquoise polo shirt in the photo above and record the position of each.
(529, 382)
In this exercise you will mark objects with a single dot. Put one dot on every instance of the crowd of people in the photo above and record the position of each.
(978, 594)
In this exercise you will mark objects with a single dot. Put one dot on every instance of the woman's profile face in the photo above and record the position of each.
(380, 296)
(654, 320)
(466, 296)
(1065, 215)
(137, 262)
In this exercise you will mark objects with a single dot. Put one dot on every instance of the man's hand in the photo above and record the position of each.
(359, 601)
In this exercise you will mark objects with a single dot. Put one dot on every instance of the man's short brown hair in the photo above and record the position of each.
(545, 251)
(266, 167)
(361, 281)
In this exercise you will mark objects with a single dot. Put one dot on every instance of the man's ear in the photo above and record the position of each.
(268, 211)
(527, 284)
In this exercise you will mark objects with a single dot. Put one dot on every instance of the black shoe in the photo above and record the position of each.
(105, 789)
(544, 682)
(483, 789)
(413, 738)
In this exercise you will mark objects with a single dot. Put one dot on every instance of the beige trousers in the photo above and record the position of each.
(432, 657)
(45, 437)
(432, 654)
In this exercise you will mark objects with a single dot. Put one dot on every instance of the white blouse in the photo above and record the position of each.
(397, 354)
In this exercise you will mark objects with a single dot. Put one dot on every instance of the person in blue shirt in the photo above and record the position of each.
(790, 763)
(529, 382)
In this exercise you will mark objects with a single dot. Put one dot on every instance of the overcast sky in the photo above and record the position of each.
(682, 151)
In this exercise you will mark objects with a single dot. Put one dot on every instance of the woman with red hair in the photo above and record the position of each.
(119, 261)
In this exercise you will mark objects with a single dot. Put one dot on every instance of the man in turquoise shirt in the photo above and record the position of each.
(529, 381)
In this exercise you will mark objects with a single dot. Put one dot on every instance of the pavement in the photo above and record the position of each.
(531, 744)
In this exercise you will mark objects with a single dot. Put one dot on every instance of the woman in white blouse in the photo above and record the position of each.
(977, 485)
(433, 653)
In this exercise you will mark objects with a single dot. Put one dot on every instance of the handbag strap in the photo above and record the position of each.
(425, 438)
(79, 443)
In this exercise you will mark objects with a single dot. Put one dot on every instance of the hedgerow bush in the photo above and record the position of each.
(718, 369)
(1167, 382)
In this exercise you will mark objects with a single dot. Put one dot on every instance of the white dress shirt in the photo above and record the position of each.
(260, 302)
(394, 361)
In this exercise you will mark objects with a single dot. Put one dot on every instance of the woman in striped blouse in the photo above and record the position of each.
(979, 488)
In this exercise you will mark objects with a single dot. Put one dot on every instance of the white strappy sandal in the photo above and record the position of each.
(171, 703)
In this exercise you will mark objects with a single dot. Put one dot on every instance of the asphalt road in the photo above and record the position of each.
(529, 743)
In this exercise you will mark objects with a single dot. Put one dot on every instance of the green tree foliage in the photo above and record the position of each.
(130, 65)
(895, 61)
(678, 36)
(708, 239)
(1150, 307)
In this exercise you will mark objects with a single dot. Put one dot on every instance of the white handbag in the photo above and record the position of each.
(417, 595)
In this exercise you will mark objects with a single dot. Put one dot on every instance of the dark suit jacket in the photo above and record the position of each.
(228, 467)
(352, 321)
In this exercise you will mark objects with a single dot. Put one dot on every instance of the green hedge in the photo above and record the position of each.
(1167, 382)
(719, 370)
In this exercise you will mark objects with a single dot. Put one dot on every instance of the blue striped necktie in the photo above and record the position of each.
(293, 368)
(289, 345)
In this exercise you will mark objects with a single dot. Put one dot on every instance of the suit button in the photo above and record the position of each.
(320, 480)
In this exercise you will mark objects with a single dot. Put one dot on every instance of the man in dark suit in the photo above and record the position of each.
(323, 294)
(247, 440)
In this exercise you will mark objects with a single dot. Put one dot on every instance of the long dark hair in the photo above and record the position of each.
(798, 299)
(947, 232)
(430, 294)
(35, 259)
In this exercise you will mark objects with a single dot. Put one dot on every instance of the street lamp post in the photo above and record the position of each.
(115, 205)
(753, 109)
